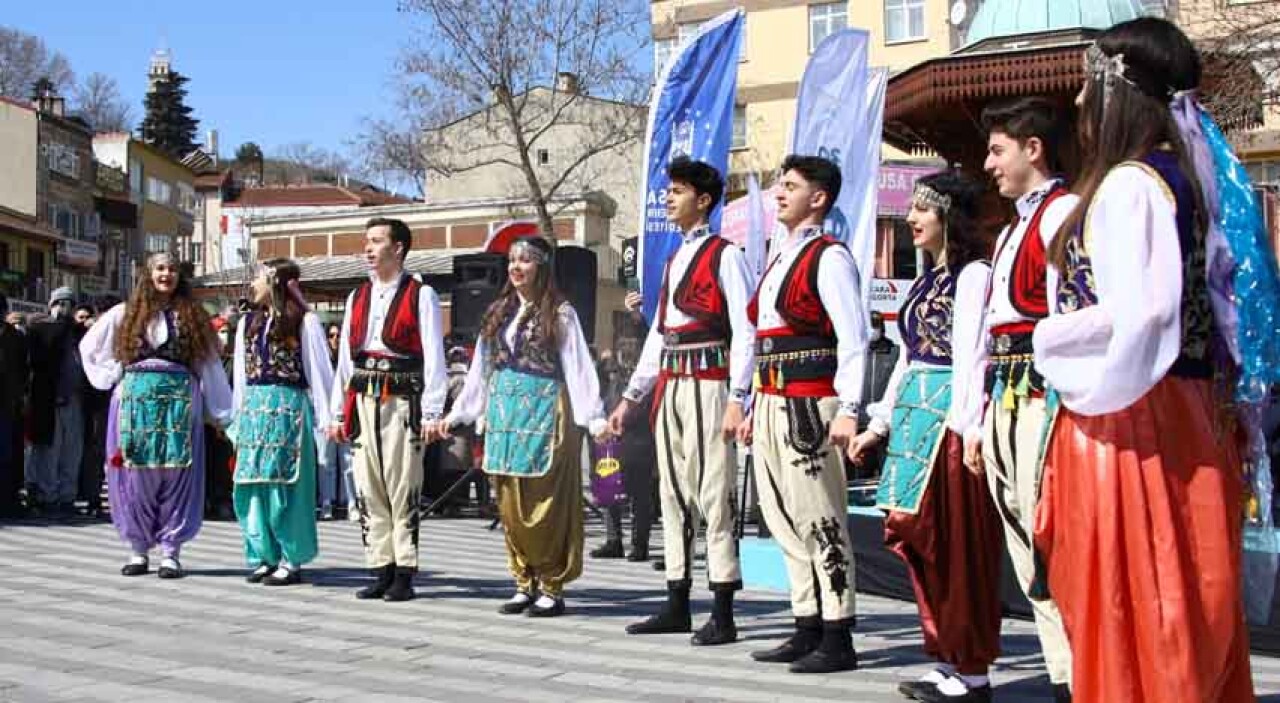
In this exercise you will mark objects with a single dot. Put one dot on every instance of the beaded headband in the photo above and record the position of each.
(162, 258)
(926, 195)
(524, 247)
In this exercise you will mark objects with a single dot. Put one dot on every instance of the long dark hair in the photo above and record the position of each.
(196, 340)
(545, 296)
(1159, 61)
(966, 241)
(284, 305)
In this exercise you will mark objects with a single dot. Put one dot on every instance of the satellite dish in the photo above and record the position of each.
(959, 11)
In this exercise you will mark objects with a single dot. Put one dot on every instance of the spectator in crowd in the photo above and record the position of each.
(334, 479)
(93, 445)
(218, 449)
(13, 389)
(882, 355)
(55, 411)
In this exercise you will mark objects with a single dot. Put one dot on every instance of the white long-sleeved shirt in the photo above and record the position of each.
(315, 364)
(430, 328)
(1103, 358)
(1000, 310)
(580, 379)
(968, 361)
(838, 289)
(104, 370)
(735, 281)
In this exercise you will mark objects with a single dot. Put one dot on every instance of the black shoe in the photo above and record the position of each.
(980, 694)
(256, 576)
(715, 632)
(401, 588)
(556, 609)
(915, 690)
(820, 661)
(292, 577)
(609, 550)
(169, 572)
(384, 576)
(659, 565)
(672, 618)
(132, 569)
(804, 640)
(513, 608)
(638, 553)
(1061, 693)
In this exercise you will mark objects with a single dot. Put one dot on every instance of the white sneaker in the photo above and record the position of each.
(353, 514)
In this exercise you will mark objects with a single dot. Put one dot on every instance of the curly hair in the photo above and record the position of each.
(287, 311)
(546, 298)
(196, 341)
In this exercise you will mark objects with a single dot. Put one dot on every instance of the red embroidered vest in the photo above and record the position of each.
(400, 329)
(798, 301)
(699, 294)
(1027, 291)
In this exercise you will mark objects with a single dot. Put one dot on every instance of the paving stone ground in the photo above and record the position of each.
(73, 629)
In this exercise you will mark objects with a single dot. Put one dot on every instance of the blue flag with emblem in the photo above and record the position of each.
(691, 115)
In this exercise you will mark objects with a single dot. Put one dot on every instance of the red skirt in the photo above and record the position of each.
(1140, 521)
(953, 550)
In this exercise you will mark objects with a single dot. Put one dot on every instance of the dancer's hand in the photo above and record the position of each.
(973, 455)
(861, 445)
(843, 429)
(733, 419)
(746, 429)
(444, 428)
(618, 416)
(337, 433)
(633, 301)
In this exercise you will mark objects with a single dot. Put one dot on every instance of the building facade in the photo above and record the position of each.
(27, 246)
(161, 188)
(66, 180)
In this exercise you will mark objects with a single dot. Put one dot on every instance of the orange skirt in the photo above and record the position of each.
(1140, 521)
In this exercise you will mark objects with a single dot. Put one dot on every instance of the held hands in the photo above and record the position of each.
(861, 446)
(843, 429)
(619, 415)
(973, 455)
(733, 420)
(745, 431)
(337, 433)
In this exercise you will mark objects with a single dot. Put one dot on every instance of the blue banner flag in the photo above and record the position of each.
(839, 113)
(691, 115)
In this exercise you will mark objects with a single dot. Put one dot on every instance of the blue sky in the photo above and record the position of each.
(270, 71)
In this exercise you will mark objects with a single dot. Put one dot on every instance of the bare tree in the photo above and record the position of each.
(497, 82)
(303, 162)
(1241, 45)
(98, 99)
(24, 59)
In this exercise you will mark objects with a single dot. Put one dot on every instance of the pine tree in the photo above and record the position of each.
(168, 124)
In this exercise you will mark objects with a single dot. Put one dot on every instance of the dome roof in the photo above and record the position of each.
(1006, 18)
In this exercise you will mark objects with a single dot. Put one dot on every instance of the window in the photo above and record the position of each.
(1264, 172)
(903, 20)
(196, 253)
(825, 20)
(544, 157)
(739, 138)
(62, 159)
(186, 198)
(135, 180)
(67, 221)
(159, 243)
(159, 191)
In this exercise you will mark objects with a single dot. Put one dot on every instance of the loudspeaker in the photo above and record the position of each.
(576, 276)
(479, 279)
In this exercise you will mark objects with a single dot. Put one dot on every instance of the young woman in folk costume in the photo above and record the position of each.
(159, 354)
(533, 382)
(940, 516)
(1141, 508)
(282, 384)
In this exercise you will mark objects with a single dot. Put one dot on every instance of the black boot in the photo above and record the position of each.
(612, 549)
(674, 616)
(1061, 693)
(384, 576)
(834, 654)
(401, 588)
(720, 628)
(639, 552)
(804, 640)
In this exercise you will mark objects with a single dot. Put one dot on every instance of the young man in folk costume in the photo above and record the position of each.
(1022, 157)
(699, 352)
(388, 392)
(811, 342)
(159, 355)
(281, 397)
